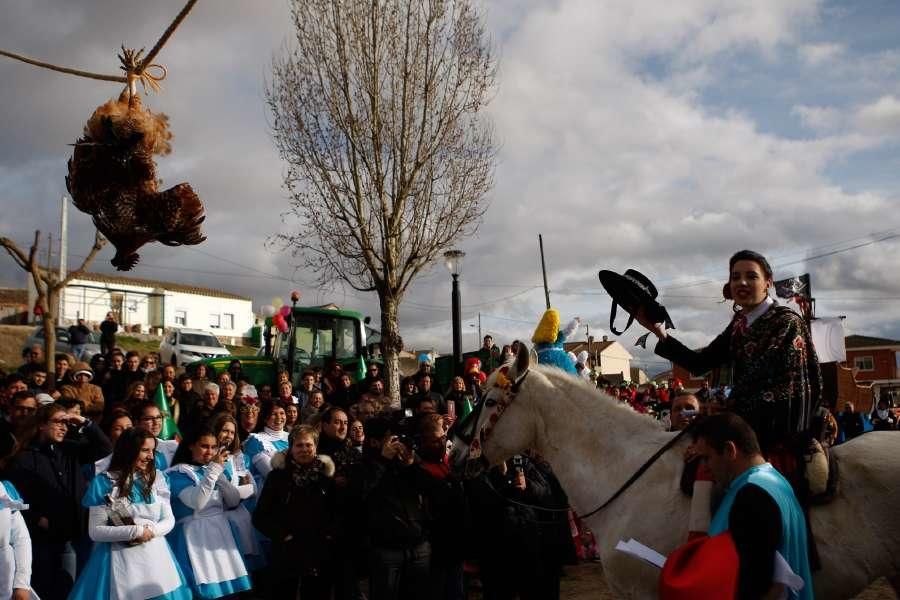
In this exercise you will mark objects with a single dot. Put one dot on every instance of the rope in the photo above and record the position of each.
(67, 70)
(136, 69)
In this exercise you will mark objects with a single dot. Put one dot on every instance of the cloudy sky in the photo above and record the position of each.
(659, 136)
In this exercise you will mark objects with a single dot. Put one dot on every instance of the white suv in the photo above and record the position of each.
(183, 346)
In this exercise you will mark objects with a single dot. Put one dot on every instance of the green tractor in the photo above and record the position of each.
(316, 337)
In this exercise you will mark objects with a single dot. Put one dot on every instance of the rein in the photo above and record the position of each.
(511, 391)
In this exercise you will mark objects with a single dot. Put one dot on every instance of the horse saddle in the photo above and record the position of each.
(632, 291)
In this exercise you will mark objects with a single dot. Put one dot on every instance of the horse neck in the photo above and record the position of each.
(593, 443)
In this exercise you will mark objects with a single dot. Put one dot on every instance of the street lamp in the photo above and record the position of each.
(453, 260)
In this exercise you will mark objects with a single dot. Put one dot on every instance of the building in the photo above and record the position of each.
(874, 361)
(13, 306)
(607, 357)
(150, 306)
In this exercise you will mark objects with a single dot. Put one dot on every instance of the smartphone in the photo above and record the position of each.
(408, 413)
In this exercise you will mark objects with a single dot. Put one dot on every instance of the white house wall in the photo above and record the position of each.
(148, 307)
(611, 365)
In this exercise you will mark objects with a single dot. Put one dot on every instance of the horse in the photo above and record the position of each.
(594, 444)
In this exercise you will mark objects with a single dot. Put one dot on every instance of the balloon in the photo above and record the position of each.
(295, 295)
(280, 323)
(268, 310)
(277, 301)
(268, 321)
(284, 311)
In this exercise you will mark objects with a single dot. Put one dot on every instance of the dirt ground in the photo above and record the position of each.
(585, 581)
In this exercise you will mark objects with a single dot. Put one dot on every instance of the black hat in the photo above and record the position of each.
(633, 290)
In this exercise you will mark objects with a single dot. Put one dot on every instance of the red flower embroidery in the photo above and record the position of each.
(799, 343)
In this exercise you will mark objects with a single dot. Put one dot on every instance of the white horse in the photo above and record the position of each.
(595, 444)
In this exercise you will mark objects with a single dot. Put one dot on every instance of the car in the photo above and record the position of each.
(184, 346)
(62, 342)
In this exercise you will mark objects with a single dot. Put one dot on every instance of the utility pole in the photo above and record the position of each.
(63, 251)
(479, 329)
(544, 271)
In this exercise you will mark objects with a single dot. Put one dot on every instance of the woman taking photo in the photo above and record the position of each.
(295, 511)
(263, 445)
(202, 538)
(237, 470)
(777, 383)
(128, 520)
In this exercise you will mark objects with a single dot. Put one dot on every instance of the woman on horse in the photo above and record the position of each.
(777, 382)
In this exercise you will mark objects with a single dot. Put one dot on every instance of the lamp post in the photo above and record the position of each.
(453, 260)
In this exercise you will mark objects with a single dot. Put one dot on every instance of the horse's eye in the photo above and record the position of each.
(490, 402)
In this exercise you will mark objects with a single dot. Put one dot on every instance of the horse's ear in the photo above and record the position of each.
(522, 359)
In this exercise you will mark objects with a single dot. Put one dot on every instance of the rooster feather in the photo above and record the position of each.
(112, 177)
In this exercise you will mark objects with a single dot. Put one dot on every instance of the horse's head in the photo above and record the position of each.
(499, 426)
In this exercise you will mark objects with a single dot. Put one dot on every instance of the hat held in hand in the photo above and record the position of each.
(633, 291)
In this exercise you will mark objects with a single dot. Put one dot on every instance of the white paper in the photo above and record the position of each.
(12, 504)
(639, 550)
(785, 575)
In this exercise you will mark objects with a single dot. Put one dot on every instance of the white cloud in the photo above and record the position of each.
(818, 54)
(819, 118)
(881, 117)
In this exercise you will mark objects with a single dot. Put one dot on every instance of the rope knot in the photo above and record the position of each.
(136, 70)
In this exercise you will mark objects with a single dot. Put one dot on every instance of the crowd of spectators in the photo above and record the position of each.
(327, 489)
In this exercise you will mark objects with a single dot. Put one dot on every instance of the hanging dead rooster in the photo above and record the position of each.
(112, 177)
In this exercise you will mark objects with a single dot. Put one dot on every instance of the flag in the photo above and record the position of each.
(790, 288)
(169, 428)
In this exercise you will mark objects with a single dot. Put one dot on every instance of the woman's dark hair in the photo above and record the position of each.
(265, 411)
(114, 415)
(219, 421)
(183, 453)
(125, 454)
(753, 256)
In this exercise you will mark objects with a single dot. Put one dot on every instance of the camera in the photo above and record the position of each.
(407, 440)
(518, 462)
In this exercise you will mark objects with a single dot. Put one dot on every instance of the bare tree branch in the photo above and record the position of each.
(378, 112)
(99, 242)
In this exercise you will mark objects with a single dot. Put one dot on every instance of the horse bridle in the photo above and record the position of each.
(511, 389)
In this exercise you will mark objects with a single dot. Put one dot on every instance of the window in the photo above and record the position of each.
(215, 321)
(181, 317)
(864, 363)
(229, 321)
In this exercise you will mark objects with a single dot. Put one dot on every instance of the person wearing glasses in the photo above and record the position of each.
(151, 418)
(48, 473)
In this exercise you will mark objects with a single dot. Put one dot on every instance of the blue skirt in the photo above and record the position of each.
(207, 591)
(93, 581)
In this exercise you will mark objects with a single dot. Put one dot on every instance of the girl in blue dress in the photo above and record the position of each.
(265, 444)
(202, 539)
(237, 470)
(128, 520)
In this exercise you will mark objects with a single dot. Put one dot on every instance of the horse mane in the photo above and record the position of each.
(574, 394)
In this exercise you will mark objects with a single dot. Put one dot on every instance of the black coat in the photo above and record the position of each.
(51, 481)
(303, 509)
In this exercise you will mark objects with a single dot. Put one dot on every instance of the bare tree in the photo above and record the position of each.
(48, 284)
(378, 111)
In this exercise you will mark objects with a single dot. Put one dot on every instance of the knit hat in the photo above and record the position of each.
(548, 328)
(83, 367)
(473, 365)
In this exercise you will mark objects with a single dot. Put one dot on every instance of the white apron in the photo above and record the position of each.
(7, 556)
(240, 517)
(145, 570)
(210, 545)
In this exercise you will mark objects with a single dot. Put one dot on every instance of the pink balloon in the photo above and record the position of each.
(284, 310)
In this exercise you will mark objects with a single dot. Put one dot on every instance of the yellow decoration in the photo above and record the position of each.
(548, 328)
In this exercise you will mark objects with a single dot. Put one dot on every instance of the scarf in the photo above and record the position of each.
(305, 475)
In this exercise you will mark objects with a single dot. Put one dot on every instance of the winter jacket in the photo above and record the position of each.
(51, 480)
(301, 508)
